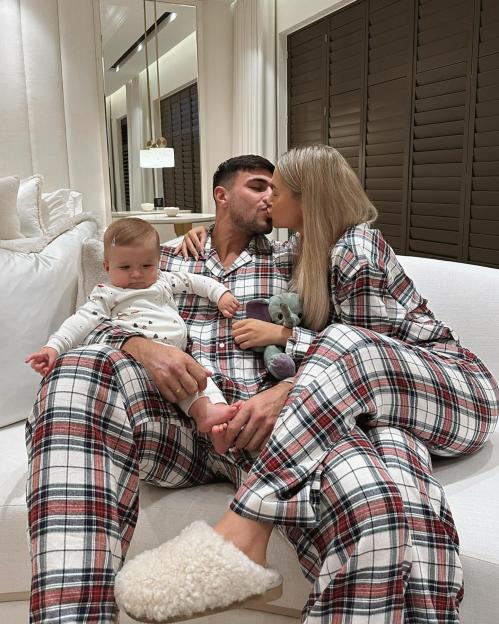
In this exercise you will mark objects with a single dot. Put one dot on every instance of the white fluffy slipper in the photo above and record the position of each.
(195, 574)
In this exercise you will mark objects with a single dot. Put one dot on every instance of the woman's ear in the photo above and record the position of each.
(105, 264)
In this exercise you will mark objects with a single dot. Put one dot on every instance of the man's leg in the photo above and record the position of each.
(97, 426)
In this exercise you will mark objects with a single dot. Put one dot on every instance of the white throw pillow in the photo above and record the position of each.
(58, 205)
(10, 226)
(29, 206)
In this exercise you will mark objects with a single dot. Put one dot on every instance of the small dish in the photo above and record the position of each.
(171, 211)
(147, 207)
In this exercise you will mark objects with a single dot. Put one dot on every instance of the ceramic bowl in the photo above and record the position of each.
(147, 207)
(171, 211)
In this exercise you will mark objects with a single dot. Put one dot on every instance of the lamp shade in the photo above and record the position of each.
(157, 157)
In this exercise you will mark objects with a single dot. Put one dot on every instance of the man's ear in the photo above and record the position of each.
(220, 194)
(105, 264)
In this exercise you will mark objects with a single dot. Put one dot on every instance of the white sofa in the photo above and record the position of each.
(465, 296)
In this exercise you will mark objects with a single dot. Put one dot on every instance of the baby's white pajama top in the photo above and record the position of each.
(152, 311)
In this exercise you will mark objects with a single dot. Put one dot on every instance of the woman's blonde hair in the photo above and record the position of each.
(332, 201)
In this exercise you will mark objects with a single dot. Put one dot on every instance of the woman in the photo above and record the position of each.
(379, 358)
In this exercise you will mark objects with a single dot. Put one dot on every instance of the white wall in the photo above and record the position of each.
(215, 52)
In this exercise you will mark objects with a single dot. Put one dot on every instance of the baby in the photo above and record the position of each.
(140, 297)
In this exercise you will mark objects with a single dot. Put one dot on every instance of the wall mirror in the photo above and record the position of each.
(167, 32)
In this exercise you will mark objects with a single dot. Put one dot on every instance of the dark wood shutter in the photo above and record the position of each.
(441, 105)
(180, 126)
(124, 155)
(347, 35)
(483, 234)
(389, 90)
(307, 85)
(414, 107)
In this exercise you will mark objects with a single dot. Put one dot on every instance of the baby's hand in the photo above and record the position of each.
(42, 361)
(228, 304)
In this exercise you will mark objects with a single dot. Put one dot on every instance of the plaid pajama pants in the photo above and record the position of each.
(368, 520)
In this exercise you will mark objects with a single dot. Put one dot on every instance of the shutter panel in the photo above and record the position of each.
(440, 121)
(167, 114)
(307, 85)
(388, 114)
(196, 162)
(483, 238)
(180, 126)
(347, 35)
(124, 152)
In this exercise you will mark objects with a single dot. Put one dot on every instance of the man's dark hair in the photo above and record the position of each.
(228, 169)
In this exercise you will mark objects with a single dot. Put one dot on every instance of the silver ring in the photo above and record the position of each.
(178, 390)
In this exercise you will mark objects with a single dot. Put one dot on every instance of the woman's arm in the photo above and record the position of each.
(193, 243)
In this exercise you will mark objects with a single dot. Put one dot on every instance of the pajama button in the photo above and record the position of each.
(221, 345)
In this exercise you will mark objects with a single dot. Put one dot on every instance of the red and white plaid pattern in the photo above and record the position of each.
(370, 524)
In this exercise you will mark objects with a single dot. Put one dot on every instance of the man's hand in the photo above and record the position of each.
(252, 425)
(228, 304)
(251, 333)
(175, 373)
(193, 243)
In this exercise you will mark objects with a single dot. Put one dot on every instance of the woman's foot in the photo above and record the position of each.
(197, 573)
(249, 536)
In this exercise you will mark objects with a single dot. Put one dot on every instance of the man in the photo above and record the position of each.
(104, 419)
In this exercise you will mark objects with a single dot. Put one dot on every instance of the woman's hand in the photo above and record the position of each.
(193, 242)
(251, 333)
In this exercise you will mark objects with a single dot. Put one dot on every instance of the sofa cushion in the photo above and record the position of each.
(40, 289)
(464, 296)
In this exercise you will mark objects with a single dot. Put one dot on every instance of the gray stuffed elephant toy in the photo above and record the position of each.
(284, 309)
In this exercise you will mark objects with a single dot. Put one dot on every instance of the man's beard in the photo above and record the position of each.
(252, 226)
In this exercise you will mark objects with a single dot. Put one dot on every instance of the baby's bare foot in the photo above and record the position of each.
(217, 438)
(208, 415)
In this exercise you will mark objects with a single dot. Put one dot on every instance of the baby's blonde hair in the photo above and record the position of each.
(129, 231)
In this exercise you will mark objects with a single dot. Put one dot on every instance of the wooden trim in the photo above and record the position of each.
(15, 597)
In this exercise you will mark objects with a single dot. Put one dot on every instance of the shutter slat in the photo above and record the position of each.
(438, 210)
(435, 223)
(446, 169)
(437, 183)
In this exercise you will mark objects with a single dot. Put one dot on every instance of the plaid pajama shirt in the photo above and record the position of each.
(370, 524)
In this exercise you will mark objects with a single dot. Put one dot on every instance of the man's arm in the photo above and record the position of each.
(254, 422)
(175, 373)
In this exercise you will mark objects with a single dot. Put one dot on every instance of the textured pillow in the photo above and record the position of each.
(91, 270)
(58, 205)
(9, 220)
(29, 206)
